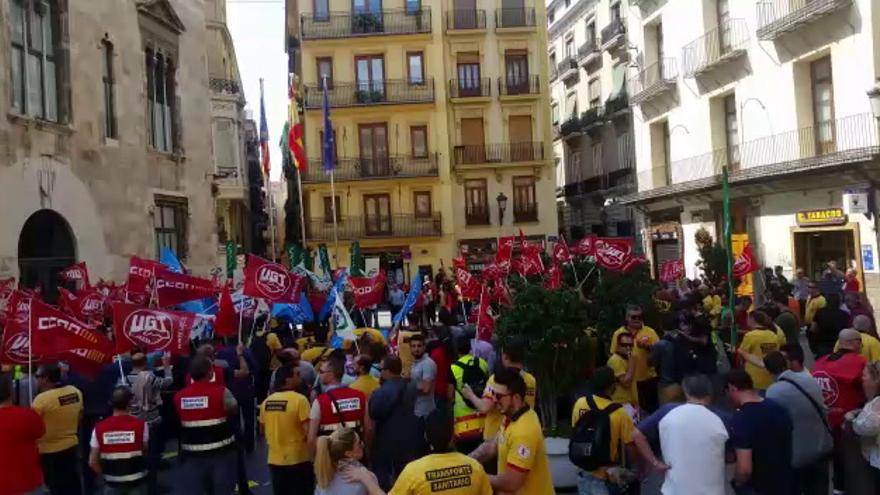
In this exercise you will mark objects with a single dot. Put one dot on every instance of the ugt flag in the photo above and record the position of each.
(271, 281)
(75, 273)
(153, 330)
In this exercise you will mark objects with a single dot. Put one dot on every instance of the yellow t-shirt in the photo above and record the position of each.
(521, 447)
(622, 427)
(813, 304)
(712, 307)
(303, 343)
(274, 345)
(644, 371)
(494, 418)
(623, 395)
(451, 473)
(282, 415)
(870, 348)
(366, 384)
(759, 343)
(313, 353)
(60, 409)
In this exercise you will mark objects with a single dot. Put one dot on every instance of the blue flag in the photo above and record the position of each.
(411, 298)
(329, 143)
(335, 291)
(294, 313)
(167, 258)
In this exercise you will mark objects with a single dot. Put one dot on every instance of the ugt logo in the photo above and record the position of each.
(17, 348)
(272, 281)
(149, 328)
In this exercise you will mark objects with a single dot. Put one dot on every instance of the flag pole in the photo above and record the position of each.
(271, 200)
(731, 294)
(335, 224)
(30, 355)
(302, 211)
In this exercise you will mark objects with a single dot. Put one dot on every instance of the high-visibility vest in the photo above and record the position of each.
(121, 449)
(469, 422)
(203, 423)
(342, 407)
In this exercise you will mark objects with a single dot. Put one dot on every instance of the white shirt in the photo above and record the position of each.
(692, 440)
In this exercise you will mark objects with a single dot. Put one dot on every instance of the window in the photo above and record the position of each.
(415, 67)
(731, 130)
(160, 99)
(418, 136)
(328, 209)
(322, 10)
(469, 82)
(325, 69)
(554, 113)
(553, 61)
(377, 214)
(225, 149)
(595, 91)
(109, 91)
(571, 105)
(169, 224)
(618, 78)
(371, 73)
(516, 63)
(34, 66)
(724, 25)
(551, 15)
(591, 33)
(614, 13)
(525, 208)
(476, 202)
(596, 151)
(823, 105)
(569, 47)
(422, 202)
(413, 6)
(373, 142)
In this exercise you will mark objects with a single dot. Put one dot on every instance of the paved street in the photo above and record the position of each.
(258, 473)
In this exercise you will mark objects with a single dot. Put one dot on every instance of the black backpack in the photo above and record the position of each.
(472, 375)
(590, 445)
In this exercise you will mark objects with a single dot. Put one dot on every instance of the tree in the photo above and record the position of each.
(713, 257)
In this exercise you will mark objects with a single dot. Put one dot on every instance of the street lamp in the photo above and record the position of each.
(502, 205)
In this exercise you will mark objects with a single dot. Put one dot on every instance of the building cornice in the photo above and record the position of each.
(574, 14)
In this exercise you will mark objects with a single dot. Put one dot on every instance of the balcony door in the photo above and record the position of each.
(516, 63)
(520, 138)
(373, 146)
(465, 14)
(724, 26)
(377, 214)
(370, 70)
(367, 7)
(468, 69)
(513, 13)
(473, 149)
(823, 106)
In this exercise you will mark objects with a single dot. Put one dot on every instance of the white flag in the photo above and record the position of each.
(342, 320)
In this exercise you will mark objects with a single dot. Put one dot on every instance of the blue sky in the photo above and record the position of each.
(257, 28)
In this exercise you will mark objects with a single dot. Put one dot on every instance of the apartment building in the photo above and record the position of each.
(592, 122)
(440, 115)
(776, 92)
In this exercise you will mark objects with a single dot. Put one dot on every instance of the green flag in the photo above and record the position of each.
(358, 266)
(293, 255)
(731, 294)
(230, 259)
(325, 260)
(308, 260)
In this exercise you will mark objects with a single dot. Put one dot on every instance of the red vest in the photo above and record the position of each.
(218, 376)
(203, 423)
(839, 376)
(342, 407)
(121, 449)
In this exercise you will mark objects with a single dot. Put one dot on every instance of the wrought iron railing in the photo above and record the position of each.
(349, 24)
(508, 86)
(228, 86)
(526, 213)
(465, 19)
(476, 216)
(565, 65)
(570, 126)
(391, 167)
(652, 80)
(468, 154)
(614, 29)
(592, 116)
(780, 16)
(515, 17)
(590, 47)
(725, 41)
(389, 91)
(470, 88)
(616, 103)
(360, 227)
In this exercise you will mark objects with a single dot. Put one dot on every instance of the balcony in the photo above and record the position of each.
(460, 89)
(476, 154)
(571, 127)
(465, 20)
(476, 217)
(589, 52)
(715, 48)
(356, 169)
(777, 17)
(388, 92)
(348, 25)
(224, 86)
(617, 104)
(568, 68)
(836, 143)
(520, 17)
(654, 80)
(592, 118)
(518, 86)
(526, 213)
(614, 34)
(372, 227)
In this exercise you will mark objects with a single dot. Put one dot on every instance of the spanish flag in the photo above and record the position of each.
(295, 138)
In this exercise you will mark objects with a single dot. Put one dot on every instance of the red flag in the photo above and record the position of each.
(153, 330)
(226, 321)
(139, 283)
(87, 305)
(500, 294)
(468, 285)
(54, 332)
(176, 288)
(485, 323)
(494, 271)
(367, 291)
(271, 281)
(586, 246)
(75, 273)
(671, 270)
(522, 240)
(745, 263)
(88, 362)
(554, 276)
(530, 262)
(16, 345)
(505, 251)
(458, 262)
(561, 253)
(613, 253)
(633, 262)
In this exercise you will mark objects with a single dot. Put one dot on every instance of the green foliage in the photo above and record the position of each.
(713, 257)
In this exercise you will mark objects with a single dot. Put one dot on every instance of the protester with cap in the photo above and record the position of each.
(118, 445)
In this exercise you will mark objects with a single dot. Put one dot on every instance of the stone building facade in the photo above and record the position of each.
(105, 138)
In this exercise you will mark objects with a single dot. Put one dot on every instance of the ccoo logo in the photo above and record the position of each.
(149, 328)
(272, 282)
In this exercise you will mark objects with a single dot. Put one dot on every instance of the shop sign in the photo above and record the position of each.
(817, 218)
(855, 201)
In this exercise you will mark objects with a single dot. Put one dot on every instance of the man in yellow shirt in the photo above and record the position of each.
(870, 345)
(622, 428)
(61, 407)
(444, 470)
(523, 468)
(645, 337)
(284, 419)
(365, 382)
(623, 365)
(815, 302)
(762, 339)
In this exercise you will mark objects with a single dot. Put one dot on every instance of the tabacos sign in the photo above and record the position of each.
(149, 329)
(821, 217)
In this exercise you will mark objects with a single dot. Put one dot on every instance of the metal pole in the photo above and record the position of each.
(302, 211)
(335, 224)
(271, 215)
(30, 357)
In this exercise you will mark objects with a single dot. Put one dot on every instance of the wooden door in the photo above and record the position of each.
(520, 138)
(517, 72)
(370, 73)
(377, 214)
(473, 149)
(373, 147)
(465, 14)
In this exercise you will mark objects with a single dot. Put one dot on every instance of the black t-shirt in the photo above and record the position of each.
(765, 429)
(830, 321)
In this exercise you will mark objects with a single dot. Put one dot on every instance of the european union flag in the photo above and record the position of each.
(329, 143)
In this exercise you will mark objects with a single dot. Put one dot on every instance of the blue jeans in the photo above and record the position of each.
(215, 470)
(591, 485)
